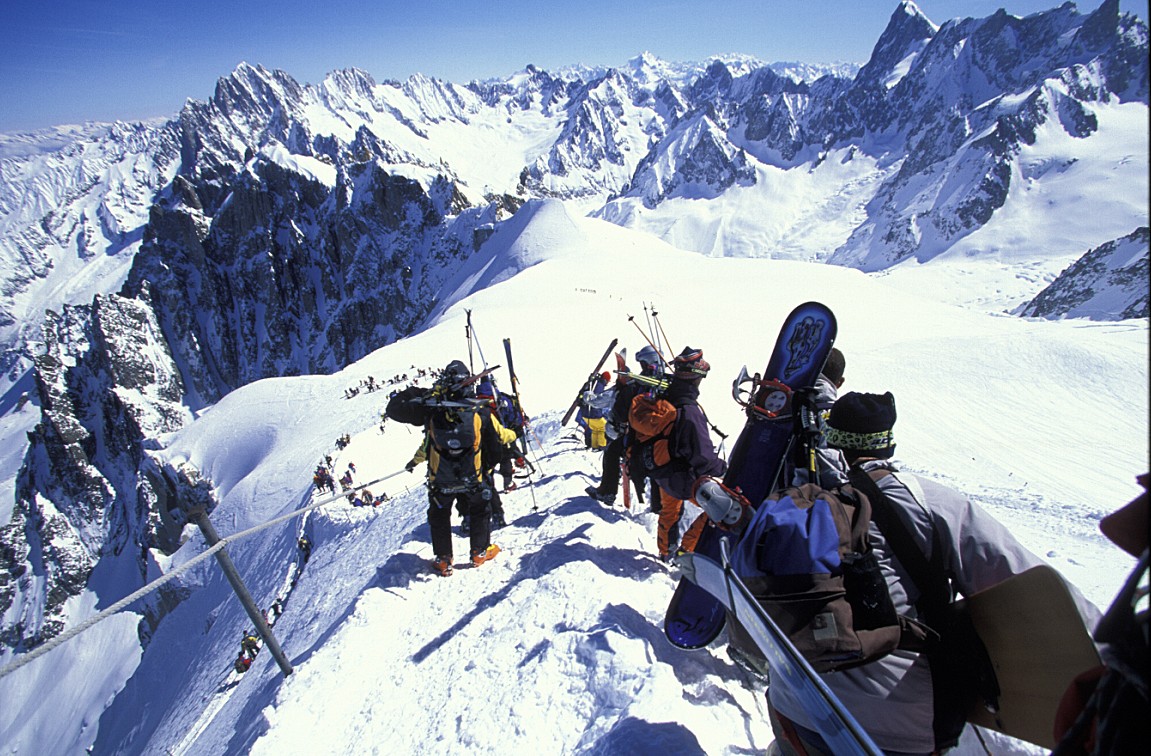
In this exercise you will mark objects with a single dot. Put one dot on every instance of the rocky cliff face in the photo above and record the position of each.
(1107, 283)
(105, 381)
(294, 275)
(966, 100)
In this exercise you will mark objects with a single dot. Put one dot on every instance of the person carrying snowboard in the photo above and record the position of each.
(896, 697)
(459, 440)
(677, 454)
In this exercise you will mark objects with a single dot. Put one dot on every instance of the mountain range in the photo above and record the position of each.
(149, 270)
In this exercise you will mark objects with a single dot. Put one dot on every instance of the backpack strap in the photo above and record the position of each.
(928, 575)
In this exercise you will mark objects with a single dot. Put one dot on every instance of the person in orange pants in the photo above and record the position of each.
(668, 538)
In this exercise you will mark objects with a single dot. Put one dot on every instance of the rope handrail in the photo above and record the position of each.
(67, 635)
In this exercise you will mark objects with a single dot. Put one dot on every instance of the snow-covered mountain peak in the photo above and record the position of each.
(908, 31)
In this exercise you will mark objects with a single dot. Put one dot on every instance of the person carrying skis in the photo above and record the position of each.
(651, 365)
(595, 403)
(505, 463)
(691, 455)
(896, 697)
(459, 440)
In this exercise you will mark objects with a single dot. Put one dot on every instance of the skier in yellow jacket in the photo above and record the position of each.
(461, 442)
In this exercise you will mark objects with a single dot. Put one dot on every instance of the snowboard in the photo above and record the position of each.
(834, 723)
(694, 618)
(1038, 644)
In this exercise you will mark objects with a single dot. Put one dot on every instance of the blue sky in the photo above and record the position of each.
(69, 61)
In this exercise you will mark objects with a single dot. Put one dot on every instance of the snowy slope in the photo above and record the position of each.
(556, 647)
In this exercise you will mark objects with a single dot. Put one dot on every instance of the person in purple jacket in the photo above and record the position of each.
(692, 454)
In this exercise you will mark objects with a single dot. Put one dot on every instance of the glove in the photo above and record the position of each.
(410, 466)
(724, 507)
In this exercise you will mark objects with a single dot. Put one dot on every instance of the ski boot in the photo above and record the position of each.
(593, 491)
(443, 565)
(488, 554)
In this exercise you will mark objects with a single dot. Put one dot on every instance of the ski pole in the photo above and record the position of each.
(468, 336)
(655, 316)
(631, 319)
(650, 329)
(476, 338)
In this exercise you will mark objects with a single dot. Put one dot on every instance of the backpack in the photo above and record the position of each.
(652, 420)
(242, 664)
(509, 413)
(807, 558)
(454, 443)
(407, 406)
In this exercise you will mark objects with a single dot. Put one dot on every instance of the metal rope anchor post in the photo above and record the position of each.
(229, 568)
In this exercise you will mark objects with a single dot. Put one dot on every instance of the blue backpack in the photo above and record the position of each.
(510, 415)
(807, 558)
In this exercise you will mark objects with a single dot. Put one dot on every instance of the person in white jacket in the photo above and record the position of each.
(892, 696)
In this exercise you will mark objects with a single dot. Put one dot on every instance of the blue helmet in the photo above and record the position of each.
(648, 356)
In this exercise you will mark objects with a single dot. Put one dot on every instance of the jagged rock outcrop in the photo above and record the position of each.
(295, 275)
(1107, 283)
(967, 101)
(105, 381)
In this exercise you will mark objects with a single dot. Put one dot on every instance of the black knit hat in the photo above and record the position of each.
(690, 365)
(860, 425)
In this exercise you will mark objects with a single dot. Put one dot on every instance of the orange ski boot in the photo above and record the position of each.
(488, 554)
(443, 565)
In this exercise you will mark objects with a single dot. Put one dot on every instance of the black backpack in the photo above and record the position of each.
(454, 444)
(1114, 717)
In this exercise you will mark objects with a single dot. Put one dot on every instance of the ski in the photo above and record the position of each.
(694, 618)
(474, 379)
(575, 404)
(516, 393)
(835, 724)
(659, 384)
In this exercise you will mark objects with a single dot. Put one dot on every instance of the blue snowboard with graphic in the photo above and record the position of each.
(839, 729)
(694, 617)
